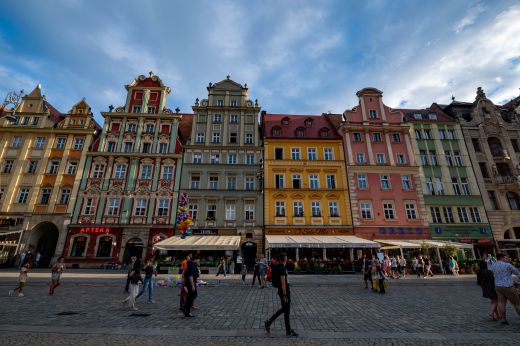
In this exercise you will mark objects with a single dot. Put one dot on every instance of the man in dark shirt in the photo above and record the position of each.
(285, 298)
(149, 271)
(190, 283)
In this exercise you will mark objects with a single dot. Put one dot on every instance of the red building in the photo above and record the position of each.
(384, 184)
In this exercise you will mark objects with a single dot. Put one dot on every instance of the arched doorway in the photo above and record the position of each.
(134, 247)
(43, 239)
(249, 253)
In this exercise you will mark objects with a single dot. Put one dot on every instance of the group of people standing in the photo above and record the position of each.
(374, 274)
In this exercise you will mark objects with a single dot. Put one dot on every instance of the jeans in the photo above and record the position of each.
(192, 294)
(147, 281)
(285, 310)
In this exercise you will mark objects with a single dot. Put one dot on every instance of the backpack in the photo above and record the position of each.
(276, 275)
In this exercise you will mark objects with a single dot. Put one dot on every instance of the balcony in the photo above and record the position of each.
(504, 180)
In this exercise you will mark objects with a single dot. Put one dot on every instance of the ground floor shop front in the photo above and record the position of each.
(479, 236)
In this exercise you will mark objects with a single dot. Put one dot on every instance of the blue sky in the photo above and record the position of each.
(304, 57)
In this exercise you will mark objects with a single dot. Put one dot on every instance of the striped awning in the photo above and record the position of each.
(417, 244)
(200, 242)
(317, 241)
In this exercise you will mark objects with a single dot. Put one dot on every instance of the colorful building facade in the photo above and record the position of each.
(384, 184)
(128, 193)
(42, 155)
(451, 194)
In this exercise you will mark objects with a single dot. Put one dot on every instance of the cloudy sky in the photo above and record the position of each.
(304, 57)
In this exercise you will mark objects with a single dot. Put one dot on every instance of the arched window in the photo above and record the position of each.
(495, 146)
(104, 246)
(514, 202)
(79, 245)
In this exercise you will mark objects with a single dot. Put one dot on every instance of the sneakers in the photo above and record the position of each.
(291, 333)
(20, 295)
(267, 326)
(151, 301)
(11, 292)
(189, 316)
(134, 308)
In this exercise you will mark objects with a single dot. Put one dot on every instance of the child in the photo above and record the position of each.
(22, 279)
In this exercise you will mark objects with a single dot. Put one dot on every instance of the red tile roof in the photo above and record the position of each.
(185, 127)
(319, 122)
(434, 108)
(55, 114)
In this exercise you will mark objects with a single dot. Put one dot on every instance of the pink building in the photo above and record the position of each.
(384, 184)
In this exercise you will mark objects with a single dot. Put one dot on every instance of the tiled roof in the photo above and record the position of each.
(55, 114)
(512, 104)
(409, 114)
(185, 127)
(270, 121)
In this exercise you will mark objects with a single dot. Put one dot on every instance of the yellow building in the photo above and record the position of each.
(42, 156)
(305, 186)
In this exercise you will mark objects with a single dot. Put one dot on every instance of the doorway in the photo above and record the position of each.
(249, 253)
(133, 248)
(43, 239)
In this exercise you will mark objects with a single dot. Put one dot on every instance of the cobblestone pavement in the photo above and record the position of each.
(328, 310)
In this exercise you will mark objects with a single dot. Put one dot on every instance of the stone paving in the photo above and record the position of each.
(325, 310)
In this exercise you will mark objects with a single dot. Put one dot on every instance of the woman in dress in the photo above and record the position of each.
(22, 279)
(135, 278)
(56, 271)
(488, 290)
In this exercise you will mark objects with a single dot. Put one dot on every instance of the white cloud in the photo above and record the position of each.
(469, 18)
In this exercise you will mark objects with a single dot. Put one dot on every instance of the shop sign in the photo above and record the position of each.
(95, 230)
(400, 230)
(205, 232)
(7, 222)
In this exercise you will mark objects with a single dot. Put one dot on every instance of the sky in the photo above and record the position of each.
(297, 57)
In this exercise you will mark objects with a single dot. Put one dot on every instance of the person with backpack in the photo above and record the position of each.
(280, 280)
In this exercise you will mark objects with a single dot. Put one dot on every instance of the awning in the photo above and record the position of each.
(397, 244)
(416, 244)
(200, 242)
(317, 241)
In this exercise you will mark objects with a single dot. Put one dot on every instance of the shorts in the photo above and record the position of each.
(507, 293)
(261, 272)
(400, 269)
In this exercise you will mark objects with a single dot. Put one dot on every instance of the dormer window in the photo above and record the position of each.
(276, 131)
(308, 122)
(417, 115)
(432, 116)
(285, 121)
(324, 132)
(300, 132)
(372, 113)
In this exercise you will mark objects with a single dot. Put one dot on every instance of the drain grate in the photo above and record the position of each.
(140, 314)
(66, 313)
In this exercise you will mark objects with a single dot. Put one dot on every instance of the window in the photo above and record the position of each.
(167, 172)
(104, 247)
(385, 182)
(396, 137)
(147, 148)
(127, 147)
(401, 160)
(60, 143)
(331, 181)
(333, 209)
(216, 137)
(151, 110)
(197, 158)
(442, 134)
(232, 159)
(40, 142)
(23, 195)
(278, 179)
(492, 200)
(380, 158)
(278, 153)
(429, 185)
(436, 214)
(31, 168)
(433, 158)
(45, 195)
(233, 137)
(406, 183)
(72, 168)
(35, 121)
(163, 148)
(25, 121)
(427, 134)
(483, 169)
(313, 181)
(220, 103)
(458, 158)
(411, 213)
(285, 121)
(2, 193)
(449, 159)
(463, 215)
(324, 132)
(200, 138)
(140, 207)
(250, 183)
(372, 113)
(360, 158)
(17, 141)
(475, 214)
(512, 199)
(362, 181)
(233, 118)
(328, 154)
(111, 147)
(280, 208)
(439, 188)
(249, 138)
(8, 166)
(388, 209)
(89, 207)
(193, 210)
(53, 167)
(64, 196)
(315, 209)
(300, 132)
(78, 246)
(376, 137)
(311, 154)
(164, 206)
(132, 128)
(465, 186)
(195, 182)
(476, 145)
(298, 208)
(451, 134)
(296, 181)
(231, 211)
(295, 154)
(424, 157)
(153, 96)
(356, 137)
(456, 186)
(215, 159)
(448, 215)
(113, 206)
(146, 172)
(231, 183)
(149, 128)
(418, 134)
(276, 131)
(249, 211)
(78, 143)
(213, 183)
(366, 210)
(136, 109)
(250, 159)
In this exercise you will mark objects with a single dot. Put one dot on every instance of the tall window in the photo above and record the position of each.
(33, 164)
(231, 183)
(512, 199)
(280, 208)
(278, 153)
(327, 153)
(331, 181)
(233, 118)
(296, 181)
(448, 215)
(53, 167)
(149, 128)
(456, 186)
(424, 157)
(451, 134)
(250, 183)
(72, 167)
(193, 209)
(249, 210)
(40, 142)
(476, 145)
(360, 158)
(311, 154)
(232, 159)
(23, 195)
(64, 196)
(406, 183)
(167, 172)
(463, 214)
(449, 159)
(439, 188)
(333, 209)
(233, 137)
(213, 183)
(313, 181)
(433, 157)
(356, 137)
(465, 186)
(140, 207)
(483, 169)
(362, 181)
(442, 134)
(8, 166)
(136, 109)
(146, 172)
(250, 159)
(366, 210)
(249, 138)
(113, 206)
(132, 128)
(380, 158)
(372, 113)
(475, 214)
(458, 158)
(231, 211)
(388, 209)
(120, 171)
(215, 138)
(427, 134)
(401, 160)
(411, 213)
(385, 182)
(200, 138)
(60, 143)
(104, 247)
(151, 110)
(278, 179)
(147, 147)
(111, 147)
(492, 200)
(298, 208)
(436, 214)
(396, 137)
(45, 195)
(78, 246)
(295, 154)
(127, 147)
(164, 206)
(315, 208)
(217, 118)
(429, 185)
(17, 141)
(163, 148)
(376, 137)
(89, 206)
(78, 143)
(214, 159)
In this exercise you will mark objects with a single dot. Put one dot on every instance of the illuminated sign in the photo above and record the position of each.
(95, 230)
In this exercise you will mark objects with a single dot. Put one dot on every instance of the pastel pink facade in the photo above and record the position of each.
(384, 185)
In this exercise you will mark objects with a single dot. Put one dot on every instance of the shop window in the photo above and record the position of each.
(104, 247)
(79, 245)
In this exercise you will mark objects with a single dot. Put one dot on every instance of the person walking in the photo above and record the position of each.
(454, 266)
(366, 267)
(221, 269)
(37, 259)
(22, 280)
(415, 261)
(56, 271)
(243, 271)
(135, 279)
(240, 261)
(402, 267)
(256, 273)
(502, 271)
(379, 275)
(192, 273)
(420, 266)
(281, 280)
(183, 292)
(487, 282)
(262, 271)
(393, 266)
(130, 268)
(149, 271)
(427, 266)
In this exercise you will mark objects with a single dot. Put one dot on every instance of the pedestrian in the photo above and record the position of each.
(386, 264)
(427, 266)
(262, 271)
(490, 260)
(487, 282)
(239, 263)
(420, 266)
(183, 292)
(367, 271)
(281, 281)
(56, 271)
(393, 266)
(192, 273)
(256, 273)
(149, 271)
(130, 268)
(502, 271)
(22, 259)
(454, 266)
(379, 277)
(221, 269)
(37, 259)
(135, 279)
(402, 266)
(244, 273)
(22, 280)
(415, 261)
